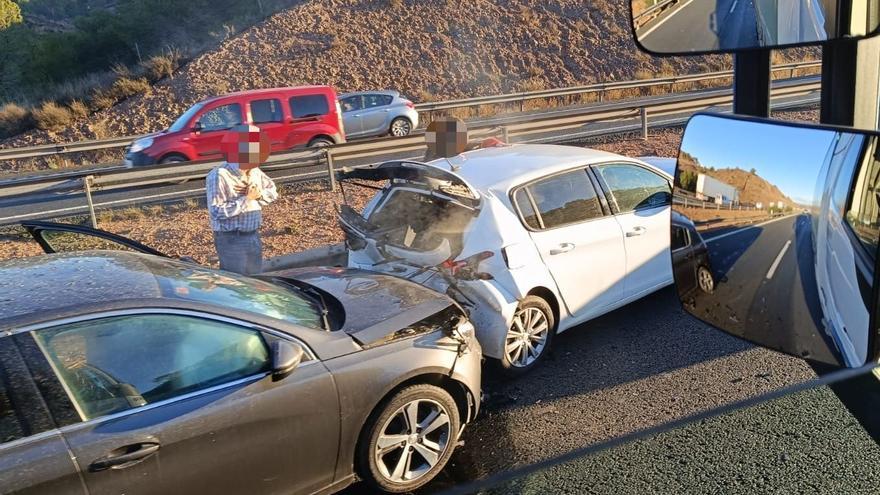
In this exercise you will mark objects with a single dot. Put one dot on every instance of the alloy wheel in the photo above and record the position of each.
(400, 128)
(704, 278)
(526, 337)
(413, 440)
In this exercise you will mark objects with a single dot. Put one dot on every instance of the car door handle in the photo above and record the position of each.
(387, 110)
(357, 115)
(563, 248)
(124, 457)
(636, 231)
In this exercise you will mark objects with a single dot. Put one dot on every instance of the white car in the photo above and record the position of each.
(533, 239)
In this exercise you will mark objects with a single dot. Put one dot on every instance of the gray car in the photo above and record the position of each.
(377, 113)
(124, 372)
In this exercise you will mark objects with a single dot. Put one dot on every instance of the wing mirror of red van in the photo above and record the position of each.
(196, 128)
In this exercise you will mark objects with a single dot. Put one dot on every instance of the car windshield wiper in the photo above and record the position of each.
(314, 295)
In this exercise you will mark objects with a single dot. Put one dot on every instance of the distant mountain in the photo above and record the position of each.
(752, 187)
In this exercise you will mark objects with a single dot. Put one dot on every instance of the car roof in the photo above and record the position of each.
(257, 92)
(51, 282)
(501, 168)
(664, 163)
(387, 92)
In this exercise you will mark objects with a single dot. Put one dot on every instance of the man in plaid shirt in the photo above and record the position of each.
(236, 192)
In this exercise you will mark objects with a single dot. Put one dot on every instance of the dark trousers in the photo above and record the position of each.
(239, 252)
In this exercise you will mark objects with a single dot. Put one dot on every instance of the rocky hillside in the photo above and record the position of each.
(752, 187)
(428, 49)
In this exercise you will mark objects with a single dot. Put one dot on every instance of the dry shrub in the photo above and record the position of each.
(101, 100)
(14, 119)
(52, 117)
(395, 4)
(78, 109)
(160, 66)
(126, 87)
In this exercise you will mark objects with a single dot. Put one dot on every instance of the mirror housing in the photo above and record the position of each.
(286, 356)
(197, 128)
(677, 27)
(774, 235)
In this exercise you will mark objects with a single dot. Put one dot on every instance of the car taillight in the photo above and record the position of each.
(467, 268)
(410, 104)
(339, 119)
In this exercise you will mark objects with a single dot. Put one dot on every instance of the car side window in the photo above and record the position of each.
(526, 210)
(561, 200)
(114, 364)
(352, 103)
(372, 101)
(265, 111)
(22, 412)
(308, 106)
(634, 187)
(680, 238)
(221, 118)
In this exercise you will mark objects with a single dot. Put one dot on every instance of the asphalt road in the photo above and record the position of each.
(766, 287)
(688, 27)
(635, 368)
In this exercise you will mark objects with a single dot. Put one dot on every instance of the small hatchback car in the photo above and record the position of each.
(532, 239)
(377, 113)
(124, 372)
(305, 116)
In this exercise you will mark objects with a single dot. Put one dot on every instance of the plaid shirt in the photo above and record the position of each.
(230, 211)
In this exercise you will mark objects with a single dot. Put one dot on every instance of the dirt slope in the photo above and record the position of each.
(428, 49)
(752, 187)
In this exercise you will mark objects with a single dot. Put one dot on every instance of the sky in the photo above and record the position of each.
(787, 157)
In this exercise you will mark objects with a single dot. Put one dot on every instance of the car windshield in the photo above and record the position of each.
(228, 290)
(183, 120)
(412, 219)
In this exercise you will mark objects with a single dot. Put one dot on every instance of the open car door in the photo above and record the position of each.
(61, 237)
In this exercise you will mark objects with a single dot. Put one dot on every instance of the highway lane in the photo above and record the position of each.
(689, 26)
(45, 206)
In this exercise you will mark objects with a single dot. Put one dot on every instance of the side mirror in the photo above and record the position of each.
(286, 356)
(197, 127)
(775, 228)
(724, 26)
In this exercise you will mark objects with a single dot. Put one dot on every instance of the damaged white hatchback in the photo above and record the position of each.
(531, 239)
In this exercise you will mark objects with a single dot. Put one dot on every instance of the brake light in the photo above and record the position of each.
(466, 268)
(409, 104)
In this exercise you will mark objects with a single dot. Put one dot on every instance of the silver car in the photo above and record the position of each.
(136, 372)
(377, 113)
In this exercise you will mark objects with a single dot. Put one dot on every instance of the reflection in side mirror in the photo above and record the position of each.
(286, 356)
(681, 26)
(774, 235)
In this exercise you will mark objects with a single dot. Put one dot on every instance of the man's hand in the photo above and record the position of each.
(254, 192)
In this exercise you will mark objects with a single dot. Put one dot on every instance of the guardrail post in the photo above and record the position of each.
(522, 105)
(644, 113)
(87, 185)
(505, 136)
(331, 169)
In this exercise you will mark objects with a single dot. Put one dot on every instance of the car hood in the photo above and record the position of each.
(440, 181)
(375, 305)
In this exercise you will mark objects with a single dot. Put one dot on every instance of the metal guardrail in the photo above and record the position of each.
(321, 163)
(652, 12)
(521, 98)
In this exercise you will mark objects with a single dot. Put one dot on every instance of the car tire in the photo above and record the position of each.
(389, 426)
(705, 280)
(533, 322)
(400, 127)
(320, 142)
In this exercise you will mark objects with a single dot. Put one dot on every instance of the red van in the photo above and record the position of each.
(304, 116)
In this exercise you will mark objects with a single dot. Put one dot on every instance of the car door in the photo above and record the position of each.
(641, 200)
(61, 237)
(267, 113)
(165, 402)
(580, 245)
(683, 262)
(213, 124)
(34, 459)
(351, 115)
(375, 116)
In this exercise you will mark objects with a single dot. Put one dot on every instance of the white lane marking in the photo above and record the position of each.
(732, 7)
(778, 259)
(738, 231)
(648, 32)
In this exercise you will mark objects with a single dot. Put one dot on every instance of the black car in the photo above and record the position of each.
(690, 257)
(125, 372)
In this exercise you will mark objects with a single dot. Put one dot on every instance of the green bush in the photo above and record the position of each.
(14, 119)
(52, 117)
